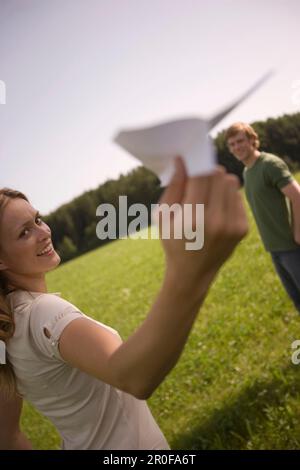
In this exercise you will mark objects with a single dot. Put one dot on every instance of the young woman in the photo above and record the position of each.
(77, 371)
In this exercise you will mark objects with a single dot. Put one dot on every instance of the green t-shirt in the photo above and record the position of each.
(271, 210)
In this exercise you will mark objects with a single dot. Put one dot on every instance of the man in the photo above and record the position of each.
(274, 198)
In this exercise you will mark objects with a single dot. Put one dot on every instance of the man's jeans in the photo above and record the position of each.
(287, 264)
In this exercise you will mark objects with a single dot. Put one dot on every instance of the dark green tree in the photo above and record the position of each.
(66, 249)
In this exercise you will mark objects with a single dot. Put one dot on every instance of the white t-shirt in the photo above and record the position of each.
(88, 413)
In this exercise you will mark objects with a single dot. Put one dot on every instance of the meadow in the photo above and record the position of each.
(235, 386)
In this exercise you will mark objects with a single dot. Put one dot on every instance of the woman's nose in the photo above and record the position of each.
(43, 232)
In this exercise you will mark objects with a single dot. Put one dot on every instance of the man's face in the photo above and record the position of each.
(241, 147)
(25, 241)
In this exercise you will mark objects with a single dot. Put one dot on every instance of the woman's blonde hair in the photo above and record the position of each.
(243, 127)
(7, 325)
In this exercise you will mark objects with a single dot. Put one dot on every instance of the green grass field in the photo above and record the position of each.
(234, 386)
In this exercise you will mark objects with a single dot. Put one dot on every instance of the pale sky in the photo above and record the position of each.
(77, 71)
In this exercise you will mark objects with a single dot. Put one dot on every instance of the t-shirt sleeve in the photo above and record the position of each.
(51, 314)
(277, 173)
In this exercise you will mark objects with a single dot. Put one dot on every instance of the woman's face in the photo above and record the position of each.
(25, 241)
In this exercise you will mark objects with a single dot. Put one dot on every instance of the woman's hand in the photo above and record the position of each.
(225, 224)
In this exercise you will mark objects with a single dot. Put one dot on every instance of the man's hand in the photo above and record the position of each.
(292, 192)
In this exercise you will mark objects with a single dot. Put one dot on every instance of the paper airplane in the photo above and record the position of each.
(157, 146)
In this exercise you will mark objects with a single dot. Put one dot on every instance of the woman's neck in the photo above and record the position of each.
(32, 284)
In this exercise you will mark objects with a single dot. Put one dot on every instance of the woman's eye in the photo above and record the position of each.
(25, 231)
(38, 221)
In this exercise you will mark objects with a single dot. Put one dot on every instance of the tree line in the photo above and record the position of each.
(74, 224)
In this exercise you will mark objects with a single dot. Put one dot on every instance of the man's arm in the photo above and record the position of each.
(11, 438)
(292, 192)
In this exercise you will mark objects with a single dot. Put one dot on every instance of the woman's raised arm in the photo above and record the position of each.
(139, 365)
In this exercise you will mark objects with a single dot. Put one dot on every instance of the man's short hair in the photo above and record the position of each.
(243, 127)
